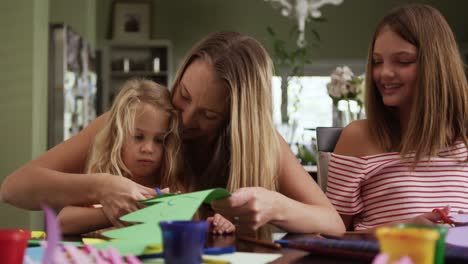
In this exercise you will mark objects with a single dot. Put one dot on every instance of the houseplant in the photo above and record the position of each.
(289, 63)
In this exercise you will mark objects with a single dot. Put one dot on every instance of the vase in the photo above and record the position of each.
(343, 117)
(337, 116)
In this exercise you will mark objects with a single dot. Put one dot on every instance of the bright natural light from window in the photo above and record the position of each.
(314, 107)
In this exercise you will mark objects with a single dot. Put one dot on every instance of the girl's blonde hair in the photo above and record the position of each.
(439, 114)
(247, 150)
(106, 153)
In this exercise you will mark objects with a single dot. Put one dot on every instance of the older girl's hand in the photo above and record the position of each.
(249, 207)
(119, 196)
(431, 218)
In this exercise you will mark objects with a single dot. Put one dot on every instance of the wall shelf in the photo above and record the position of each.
(137, 73)
(123, 60)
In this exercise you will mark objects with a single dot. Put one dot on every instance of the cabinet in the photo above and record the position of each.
(151, 59)
(72, 81)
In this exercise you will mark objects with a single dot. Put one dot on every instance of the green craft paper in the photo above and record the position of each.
(213, 194)
(147, 231)
(216, 194)
(155, 199)
(176, 207)
(133, 239)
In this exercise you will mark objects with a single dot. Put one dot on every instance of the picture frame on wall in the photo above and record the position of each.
(131, 20)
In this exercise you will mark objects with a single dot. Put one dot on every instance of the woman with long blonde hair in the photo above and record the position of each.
(223, 89)
(245, 148)
(410, 155)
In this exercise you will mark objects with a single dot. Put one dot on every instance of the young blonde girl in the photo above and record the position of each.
(140, 142)
(138, 97)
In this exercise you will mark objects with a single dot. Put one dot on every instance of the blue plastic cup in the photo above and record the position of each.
(183, 241)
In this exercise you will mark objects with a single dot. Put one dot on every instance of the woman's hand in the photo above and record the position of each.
(249, 207)
(119, 196)
(220, 225)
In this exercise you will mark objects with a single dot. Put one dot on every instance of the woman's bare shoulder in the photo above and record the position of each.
(95, 126)
(71, 155)
(355, 140)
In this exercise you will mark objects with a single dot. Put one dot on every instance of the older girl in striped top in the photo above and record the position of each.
(410, 155)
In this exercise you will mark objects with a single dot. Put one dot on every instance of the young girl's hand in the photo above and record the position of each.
(220, 225)
(162, 191)
(119, 196)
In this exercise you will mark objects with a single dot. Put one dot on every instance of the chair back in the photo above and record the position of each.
(327, 137)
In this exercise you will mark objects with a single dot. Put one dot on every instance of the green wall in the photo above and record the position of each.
(79, 15)
(23, 82)
(345, 36)
(23, 101)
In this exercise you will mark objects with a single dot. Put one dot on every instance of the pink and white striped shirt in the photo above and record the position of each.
(382, 188)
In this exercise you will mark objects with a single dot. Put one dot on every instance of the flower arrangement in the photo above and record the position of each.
(345, 85)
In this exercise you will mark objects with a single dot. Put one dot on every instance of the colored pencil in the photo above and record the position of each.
(260, 242)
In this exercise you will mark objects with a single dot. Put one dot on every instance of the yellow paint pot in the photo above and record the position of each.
(416, 243)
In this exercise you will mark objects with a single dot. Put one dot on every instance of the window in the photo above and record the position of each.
(309, 98)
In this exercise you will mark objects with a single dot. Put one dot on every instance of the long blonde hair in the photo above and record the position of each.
(106, 153)
(439, 114)
(247, 150)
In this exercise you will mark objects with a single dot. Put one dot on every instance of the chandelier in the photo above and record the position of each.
(301, 10)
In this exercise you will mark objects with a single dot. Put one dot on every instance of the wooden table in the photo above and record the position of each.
(266, 233)
(289, 255)
(269, 233)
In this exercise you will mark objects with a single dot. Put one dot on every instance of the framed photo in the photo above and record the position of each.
(131, 20)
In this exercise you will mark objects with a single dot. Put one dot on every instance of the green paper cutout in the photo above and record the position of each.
(216, 194)
(178, 207)
(146, 231)
(155, 199)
